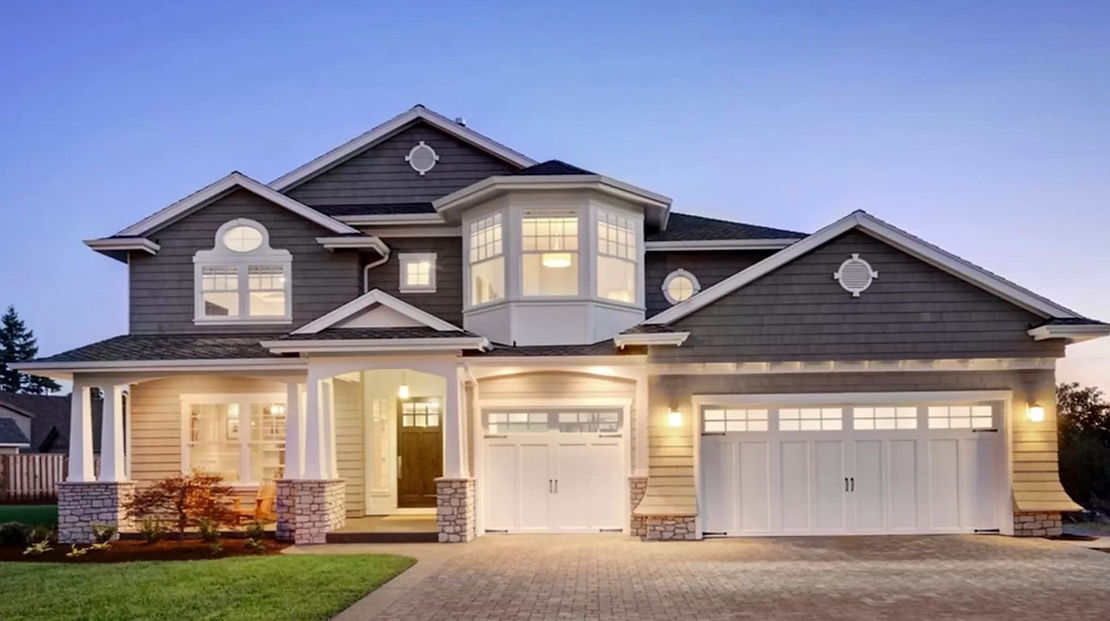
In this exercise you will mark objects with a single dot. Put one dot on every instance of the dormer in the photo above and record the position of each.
(553, 254)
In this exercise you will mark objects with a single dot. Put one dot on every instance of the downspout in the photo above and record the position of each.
(369, 266)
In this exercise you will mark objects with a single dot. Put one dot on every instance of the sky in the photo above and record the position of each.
(982, 127)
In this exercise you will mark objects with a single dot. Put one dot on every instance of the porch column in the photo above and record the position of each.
(80, 435)
(313, 433)
(294, 432)
(327, 399)
(454, 436)
(111, 436)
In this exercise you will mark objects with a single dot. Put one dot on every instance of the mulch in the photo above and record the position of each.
(126, 550)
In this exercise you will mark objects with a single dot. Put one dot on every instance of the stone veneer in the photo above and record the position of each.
(455, 510)
(81, 504)
(1037, 524)
(308, 510)
(670, 527)
(637, 486)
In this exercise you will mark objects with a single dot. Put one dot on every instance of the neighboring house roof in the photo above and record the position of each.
(686, 227)
(11, 434)
(553, 167)
(49, 416)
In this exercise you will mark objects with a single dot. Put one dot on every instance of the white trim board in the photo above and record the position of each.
(853, 398)
(889, 234)
(216, 189)
(109, 244)
(852, 366)
(718, 244)
(326, 346)
(1074, 333)
(65, 370)
(369, 241)
(417, 112)
(663, 338)
(369, 299)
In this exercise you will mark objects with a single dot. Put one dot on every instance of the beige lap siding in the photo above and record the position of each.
(1035, 454)
(350, 442)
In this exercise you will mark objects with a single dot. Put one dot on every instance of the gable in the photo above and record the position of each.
(912, 310)
(379, 173)
(380, 316)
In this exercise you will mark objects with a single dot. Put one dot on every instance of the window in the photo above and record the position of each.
(550, 255)
(680, 286)
(810, 419)
(420, 413)
(242, 279)
(961, 417)
(884, 418)
(487, 261)
(616, 257)
(571, 420)
(719, 420)
(240, 438)
(418, 272)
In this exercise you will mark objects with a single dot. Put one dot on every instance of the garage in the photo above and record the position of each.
(853, 463)
(553, 470)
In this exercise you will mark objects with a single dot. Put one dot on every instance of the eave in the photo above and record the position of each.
(119, 247)
(318, 346)
(1073, 333)
(354, 242)
(65, 370)
(673, 339)
(717, 244)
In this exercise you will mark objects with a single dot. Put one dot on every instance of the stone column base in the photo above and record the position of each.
(1037, 524)
(637, 487)
(670, 527)
(82, 504)
(308, 510)
(455, 510)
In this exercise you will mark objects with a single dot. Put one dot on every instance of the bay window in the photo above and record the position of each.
(487, 260)
(549, 260)
(239, 437)
(243, 279)
(616, 257)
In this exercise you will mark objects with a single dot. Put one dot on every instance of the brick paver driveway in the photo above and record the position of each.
(617, 577)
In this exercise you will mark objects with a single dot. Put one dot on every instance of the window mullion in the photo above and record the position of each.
(244, 442)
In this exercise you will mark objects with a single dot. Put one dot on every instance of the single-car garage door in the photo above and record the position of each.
(554, 470)
(852, 464)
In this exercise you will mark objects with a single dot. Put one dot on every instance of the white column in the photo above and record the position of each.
(327, 399)
(294, 432)
(111, 435)
(313, 433)
(80, 435)
(454, 453)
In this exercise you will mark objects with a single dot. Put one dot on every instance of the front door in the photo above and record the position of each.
(419, 451)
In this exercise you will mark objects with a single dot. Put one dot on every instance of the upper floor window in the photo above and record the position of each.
(418, 272)
(549, 263)
(616, 257)
(243, 279)
(680, 286)
(487, 260)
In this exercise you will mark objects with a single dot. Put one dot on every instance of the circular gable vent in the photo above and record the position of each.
(855, 275)
(422, 158)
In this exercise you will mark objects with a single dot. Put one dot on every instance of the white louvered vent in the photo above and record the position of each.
(855, 275)
(422, 158)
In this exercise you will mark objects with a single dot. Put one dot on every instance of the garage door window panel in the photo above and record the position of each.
(884, 418)
(811, 419)
(554, 421)
(716, 420)
(961, 417)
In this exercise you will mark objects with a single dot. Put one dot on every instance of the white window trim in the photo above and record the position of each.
(676, 274)
(520, 252)
(244, 400)
(404, 259)
(637, 261)
(468, 269)
(220, 255)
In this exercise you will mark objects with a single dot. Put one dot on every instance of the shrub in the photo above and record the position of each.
(103, 533)
(75, 552)
(152, 530)
(101, 545)
(37, 548)
(255, 545)
(188, 498)
(14, 534)
(209, 530)
(40, 533)
(216, 548)
(255, 530)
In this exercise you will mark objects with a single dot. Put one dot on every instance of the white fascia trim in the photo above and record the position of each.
(1074, 334)
(852, 366)
(392, 219)
(675, 339)
(369, 241)
(490, 186)
(382, 131)
(108, 244)
(216, 189)
(854, 398)
(377, 345)
(896, 237)
(718, 244)
(64, 369)
(414, 231)
(368, 299)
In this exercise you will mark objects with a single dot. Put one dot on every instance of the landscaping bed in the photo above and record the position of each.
(126, 550)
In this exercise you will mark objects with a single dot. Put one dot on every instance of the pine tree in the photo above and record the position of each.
(18, 344)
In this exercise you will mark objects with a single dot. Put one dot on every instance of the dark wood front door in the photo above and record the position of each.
(419, 451)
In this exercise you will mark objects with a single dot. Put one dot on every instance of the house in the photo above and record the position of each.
(44, 420)
(426, 321)
(12, 438)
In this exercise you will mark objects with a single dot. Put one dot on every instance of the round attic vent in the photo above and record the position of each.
(422, 158)
(855, 275)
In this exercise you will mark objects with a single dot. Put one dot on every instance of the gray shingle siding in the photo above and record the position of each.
(710, 268)
(380, 174)
(446, 301)
(913, 310)
(161, 291)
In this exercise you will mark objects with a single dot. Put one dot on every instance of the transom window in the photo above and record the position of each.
(487, 260)
(718, 420)
(961, 417)
(616, 257)
(550, 255)
(882, 418)
(239, 437)
(810, 419)
(420, 413)
(561, 421)
(418, 272)
(243, 279)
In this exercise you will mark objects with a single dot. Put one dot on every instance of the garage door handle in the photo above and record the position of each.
(551, 486)
(556, 486)
(845, 483)
(853, 480)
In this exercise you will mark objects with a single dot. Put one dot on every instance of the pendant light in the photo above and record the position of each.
(556, 260)
(403, 390)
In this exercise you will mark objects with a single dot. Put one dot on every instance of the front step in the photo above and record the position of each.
(383, 537)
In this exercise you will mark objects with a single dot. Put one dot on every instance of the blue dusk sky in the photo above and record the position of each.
(982, 127)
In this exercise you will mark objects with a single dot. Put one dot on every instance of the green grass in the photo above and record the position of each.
(265, 587)
(47, 515)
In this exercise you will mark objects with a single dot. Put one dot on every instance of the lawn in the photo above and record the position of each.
(265, 587)
(47, 515)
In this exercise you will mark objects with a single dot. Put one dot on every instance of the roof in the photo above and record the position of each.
(601, 348)
(50, 419)
(130, 347)
(553, 167)
(686, 227)
(10, 433)
(383, 209)
(365, 303)
(358, 334)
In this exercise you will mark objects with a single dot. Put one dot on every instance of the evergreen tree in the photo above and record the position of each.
(18, 344)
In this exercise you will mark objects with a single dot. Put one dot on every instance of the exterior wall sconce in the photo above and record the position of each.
(1035, 413)
(674, 418)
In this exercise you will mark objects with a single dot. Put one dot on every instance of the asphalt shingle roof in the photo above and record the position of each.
(686, 227)
(602, 348)
(384, 209)
(553, 167)
(167, 347)
(50, 419)
(10, 433)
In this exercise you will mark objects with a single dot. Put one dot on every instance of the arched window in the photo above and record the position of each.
(680, 286)
(242, 279)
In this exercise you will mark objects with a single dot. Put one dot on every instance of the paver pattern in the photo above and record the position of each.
(859, 578)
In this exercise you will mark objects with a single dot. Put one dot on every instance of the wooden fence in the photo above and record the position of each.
(32, 477)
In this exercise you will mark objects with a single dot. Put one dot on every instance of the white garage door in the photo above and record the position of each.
(554, 470)
(852, 466)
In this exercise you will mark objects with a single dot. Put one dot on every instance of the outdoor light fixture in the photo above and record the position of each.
(556, 259)
(674, 419)
(1035, 413)
(403, 390)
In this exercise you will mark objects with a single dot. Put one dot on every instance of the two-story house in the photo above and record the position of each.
(424, 320)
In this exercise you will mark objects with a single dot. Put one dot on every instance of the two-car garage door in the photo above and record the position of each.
(846, 464)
